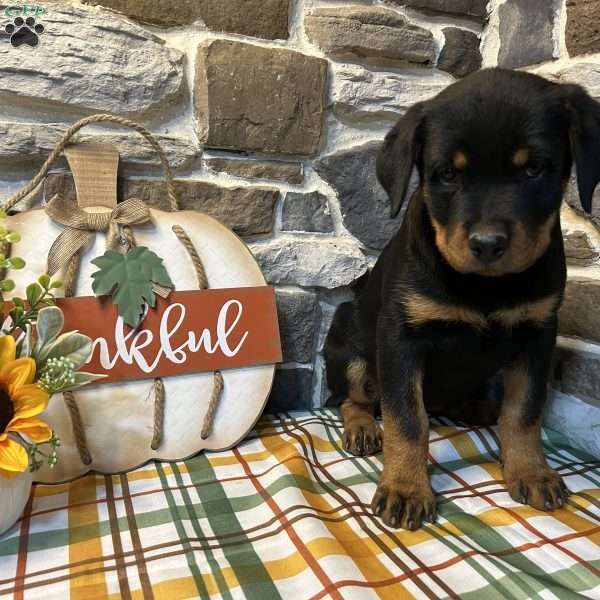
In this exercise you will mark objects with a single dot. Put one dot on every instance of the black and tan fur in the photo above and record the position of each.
(458, 316)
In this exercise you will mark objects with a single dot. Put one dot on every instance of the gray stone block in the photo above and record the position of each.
(242, 104)
(475, 9)
(298, 312)
(93, 60)
(583, 33)
(306, 212)
(258, 169)
(364, 203)
(360, 94)
(368, 32)
(577, 369)
(460, 54)
(323, 262)
(580, 314)
(526, 29)
(259, 18)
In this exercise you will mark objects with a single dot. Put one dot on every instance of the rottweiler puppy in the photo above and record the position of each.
(459, 314)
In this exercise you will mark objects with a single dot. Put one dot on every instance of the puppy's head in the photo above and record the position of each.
(494, 153)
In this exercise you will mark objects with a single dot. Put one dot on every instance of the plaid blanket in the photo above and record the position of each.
(286, 514)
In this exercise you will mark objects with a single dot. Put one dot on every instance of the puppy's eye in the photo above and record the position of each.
(535, 168)
(448, 175)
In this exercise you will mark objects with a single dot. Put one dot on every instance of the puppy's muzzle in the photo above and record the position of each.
(488, 245)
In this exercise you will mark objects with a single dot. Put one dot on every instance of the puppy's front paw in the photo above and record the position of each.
(362, 437)
(405, 504)
(543, 489)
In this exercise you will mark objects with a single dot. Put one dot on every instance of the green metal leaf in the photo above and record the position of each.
(129, 278)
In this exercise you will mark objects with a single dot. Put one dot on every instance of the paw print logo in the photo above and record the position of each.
(24, 32)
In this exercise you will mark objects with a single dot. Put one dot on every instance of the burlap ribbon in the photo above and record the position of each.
(81, 226)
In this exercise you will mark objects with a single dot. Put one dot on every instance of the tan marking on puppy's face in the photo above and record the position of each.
(452, 242)
(520, 157)
(523, 251)
(539, 311)
(420, 310)
(459, 160)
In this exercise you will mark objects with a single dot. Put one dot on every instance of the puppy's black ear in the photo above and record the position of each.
(585, 141)
(398, 154)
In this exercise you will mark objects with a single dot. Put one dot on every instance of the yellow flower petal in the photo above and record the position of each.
(13, 457)
(17, 373)
(8, 349)
(35, 429)
(29, 400)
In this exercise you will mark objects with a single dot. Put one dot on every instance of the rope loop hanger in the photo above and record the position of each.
(66, 138)
(72, 269)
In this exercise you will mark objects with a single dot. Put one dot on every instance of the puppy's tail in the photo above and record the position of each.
(338, 354)
(339, 351)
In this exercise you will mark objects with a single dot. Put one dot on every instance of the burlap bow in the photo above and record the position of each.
(81, 226)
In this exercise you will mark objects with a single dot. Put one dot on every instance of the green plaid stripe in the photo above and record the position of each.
(286, 514)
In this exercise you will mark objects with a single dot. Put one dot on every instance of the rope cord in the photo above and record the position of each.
(218, 383)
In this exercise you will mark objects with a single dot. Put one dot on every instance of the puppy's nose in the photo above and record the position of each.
(488, 247)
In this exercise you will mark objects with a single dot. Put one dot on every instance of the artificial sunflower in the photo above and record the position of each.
(21, 401)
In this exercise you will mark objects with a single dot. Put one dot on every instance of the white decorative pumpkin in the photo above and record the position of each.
(14, 494)
(118, 418)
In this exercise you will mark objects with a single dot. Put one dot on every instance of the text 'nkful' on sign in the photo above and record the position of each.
(188, 332)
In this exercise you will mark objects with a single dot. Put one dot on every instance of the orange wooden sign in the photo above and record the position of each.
(187, 332)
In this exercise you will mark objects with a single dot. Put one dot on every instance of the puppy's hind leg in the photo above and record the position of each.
(362, 434)
(348, 382)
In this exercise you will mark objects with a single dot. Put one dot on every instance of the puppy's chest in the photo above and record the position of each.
(463, 346)
(421, 310)
(458, 355)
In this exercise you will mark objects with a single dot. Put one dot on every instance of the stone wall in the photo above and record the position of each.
(271, 112)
